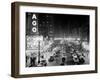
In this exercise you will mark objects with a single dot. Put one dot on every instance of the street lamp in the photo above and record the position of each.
(39, 39)
(38, 51)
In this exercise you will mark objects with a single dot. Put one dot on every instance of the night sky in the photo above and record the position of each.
(71, 25)
(63, 25)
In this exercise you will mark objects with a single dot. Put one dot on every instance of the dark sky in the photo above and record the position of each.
(72, 25)
(63, 24)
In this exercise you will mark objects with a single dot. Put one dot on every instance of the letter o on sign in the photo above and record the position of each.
(34, 23)
(34, 29)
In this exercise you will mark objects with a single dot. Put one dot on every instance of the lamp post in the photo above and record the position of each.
(39, 39)
(38, 51)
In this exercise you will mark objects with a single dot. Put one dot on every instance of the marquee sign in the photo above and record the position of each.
(34, 23)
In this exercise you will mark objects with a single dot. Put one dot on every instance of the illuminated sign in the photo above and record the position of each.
(33, 42)
(34, 23)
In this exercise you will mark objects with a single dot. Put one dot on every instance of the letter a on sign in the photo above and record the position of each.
(34, 16)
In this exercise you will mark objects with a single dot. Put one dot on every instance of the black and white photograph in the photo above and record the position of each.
(53, 39)
(57, 39)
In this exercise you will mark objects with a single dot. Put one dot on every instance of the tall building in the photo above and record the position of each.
(46, 25)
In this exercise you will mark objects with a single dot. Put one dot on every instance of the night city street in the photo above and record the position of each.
(57, 39)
